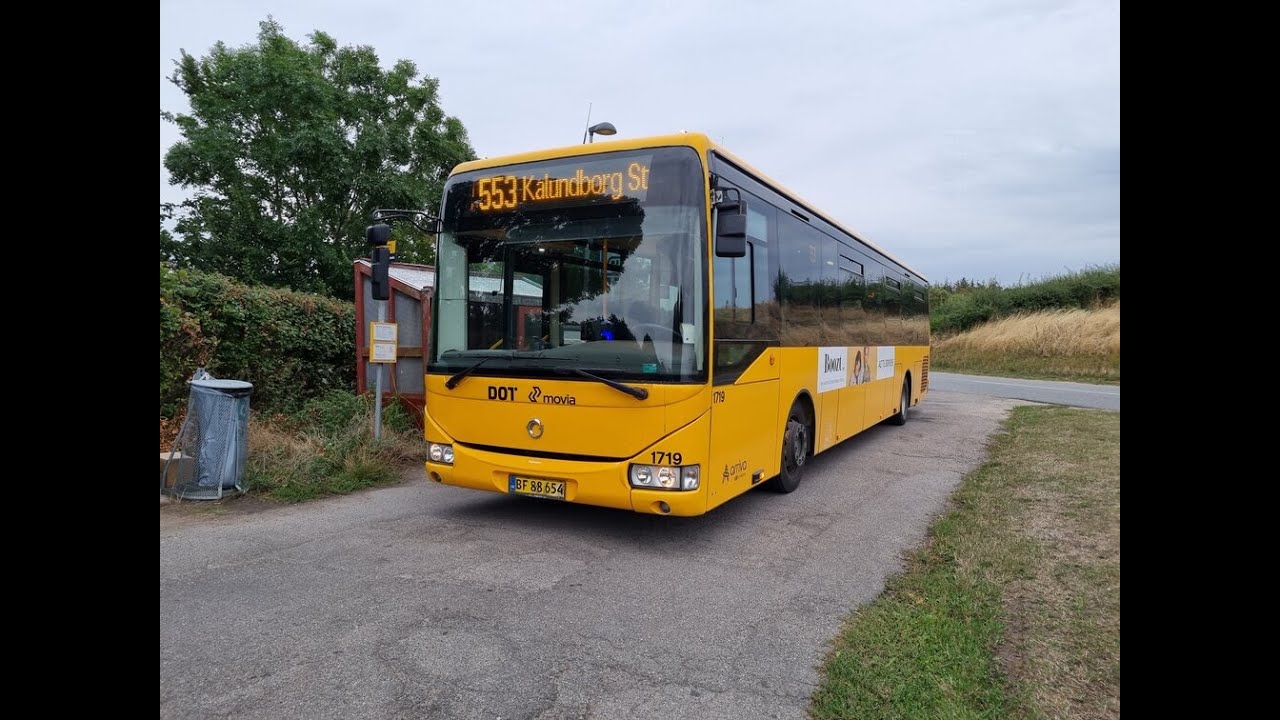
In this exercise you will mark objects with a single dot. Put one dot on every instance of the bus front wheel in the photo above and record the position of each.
(904, 402)
(795, 451)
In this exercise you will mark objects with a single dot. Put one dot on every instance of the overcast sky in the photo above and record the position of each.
(977, 139)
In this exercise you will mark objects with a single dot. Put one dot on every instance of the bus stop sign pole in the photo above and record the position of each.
(377, 397)
(378, 236)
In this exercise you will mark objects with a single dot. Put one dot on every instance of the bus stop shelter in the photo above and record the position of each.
(410, 308)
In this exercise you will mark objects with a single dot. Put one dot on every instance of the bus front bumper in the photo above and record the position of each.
(603, 483)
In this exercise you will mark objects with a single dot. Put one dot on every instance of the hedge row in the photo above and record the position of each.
(291, 346)
(956, 307)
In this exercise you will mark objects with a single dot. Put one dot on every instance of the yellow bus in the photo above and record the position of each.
(652, 325)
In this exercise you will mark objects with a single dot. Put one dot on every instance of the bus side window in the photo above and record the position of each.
(733, 293)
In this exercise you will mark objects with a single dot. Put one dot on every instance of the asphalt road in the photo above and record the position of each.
(1105, 397)
(428, 601)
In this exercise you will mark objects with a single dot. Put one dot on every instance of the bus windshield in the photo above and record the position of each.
(595, 263)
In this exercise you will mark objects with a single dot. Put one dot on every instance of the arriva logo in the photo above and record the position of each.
(536, 395)
(735, 469)
(830, 364)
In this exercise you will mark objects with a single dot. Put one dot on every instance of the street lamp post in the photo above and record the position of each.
(604, 128)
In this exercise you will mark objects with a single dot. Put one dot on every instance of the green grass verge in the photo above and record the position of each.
(1012, 609)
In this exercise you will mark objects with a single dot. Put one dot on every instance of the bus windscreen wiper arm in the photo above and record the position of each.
(635, 392)
(452, 382)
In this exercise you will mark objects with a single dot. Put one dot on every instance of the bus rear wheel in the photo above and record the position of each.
(795, 451)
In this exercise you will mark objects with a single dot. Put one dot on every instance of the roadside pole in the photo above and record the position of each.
(382, 334)
(377, 402)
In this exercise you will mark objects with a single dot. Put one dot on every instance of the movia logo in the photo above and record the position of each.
(535, 395)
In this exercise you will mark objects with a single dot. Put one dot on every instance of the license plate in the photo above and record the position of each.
(536, 487)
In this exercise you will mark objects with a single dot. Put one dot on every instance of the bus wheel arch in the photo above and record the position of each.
(797, 444)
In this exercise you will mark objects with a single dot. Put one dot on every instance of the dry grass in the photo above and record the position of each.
(292, 463)
(1062, 344)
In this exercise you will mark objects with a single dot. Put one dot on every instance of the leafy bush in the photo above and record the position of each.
(331, 413)
(291, 346)
(397, 419)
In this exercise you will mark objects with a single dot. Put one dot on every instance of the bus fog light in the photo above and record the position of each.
(690, 477)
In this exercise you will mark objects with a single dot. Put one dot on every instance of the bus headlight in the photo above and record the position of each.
(440, 453)
(665, 477)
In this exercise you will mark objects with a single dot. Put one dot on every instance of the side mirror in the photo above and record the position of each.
(731, 233)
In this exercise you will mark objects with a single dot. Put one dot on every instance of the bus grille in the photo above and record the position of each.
(924, 374)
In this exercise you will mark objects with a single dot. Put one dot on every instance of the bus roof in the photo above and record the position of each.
(696, 140)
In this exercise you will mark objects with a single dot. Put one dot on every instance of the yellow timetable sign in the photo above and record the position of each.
(382, 342)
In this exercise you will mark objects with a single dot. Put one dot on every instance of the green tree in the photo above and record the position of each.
(166, 238)
(289, 148)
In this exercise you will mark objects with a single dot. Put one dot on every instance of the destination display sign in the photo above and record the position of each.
(619, 180)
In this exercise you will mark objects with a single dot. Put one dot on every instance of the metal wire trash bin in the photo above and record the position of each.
(213, 442)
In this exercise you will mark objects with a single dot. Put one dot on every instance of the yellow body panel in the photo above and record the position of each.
(496, 412)
(697, 141)
(744, 450)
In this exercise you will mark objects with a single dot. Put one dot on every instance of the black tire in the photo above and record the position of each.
(904, 402)
(795, 451)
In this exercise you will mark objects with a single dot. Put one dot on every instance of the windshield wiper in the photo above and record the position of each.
(452, 382)
(635, 392)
